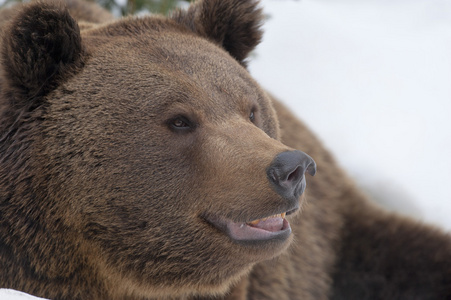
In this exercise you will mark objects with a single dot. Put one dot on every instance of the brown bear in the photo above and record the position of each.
(140, 160)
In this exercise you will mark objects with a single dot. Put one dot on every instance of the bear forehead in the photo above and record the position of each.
(163, 42)
(162, 55)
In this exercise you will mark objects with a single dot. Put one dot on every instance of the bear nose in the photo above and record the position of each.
(286, 173)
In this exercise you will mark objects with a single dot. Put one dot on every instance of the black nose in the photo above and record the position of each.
(286, 173)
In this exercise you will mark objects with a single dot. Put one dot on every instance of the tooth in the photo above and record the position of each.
(254, 222)
(282, 215)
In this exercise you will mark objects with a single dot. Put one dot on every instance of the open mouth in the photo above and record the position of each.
(271, 228)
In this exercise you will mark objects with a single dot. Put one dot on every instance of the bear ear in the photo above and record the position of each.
(40, 46)
(233, 24)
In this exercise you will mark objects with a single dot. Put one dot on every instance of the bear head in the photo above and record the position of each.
(140, 153)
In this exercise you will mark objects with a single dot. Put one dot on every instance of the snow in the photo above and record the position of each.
(7, 294)
(373, 79)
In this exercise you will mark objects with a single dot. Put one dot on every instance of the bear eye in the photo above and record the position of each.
(252, 116)
(180, 123)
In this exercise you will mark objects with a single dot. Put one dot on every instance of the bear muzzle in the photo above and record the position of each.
(286, 175)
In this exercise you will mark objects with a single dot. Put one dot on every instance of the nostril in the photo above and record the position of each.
(272, 175)
(294, 176)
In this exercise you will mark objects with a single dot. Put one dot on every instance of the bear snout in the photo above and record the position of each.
(286, 173)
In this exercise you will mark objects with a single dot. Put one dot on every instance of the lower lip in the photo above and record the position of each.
(244, 234)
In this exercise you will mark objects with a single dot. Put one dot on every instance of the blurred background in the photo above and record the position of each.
(373, 79)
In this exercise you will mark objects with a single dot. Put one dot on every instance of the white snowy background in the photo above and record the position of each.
(373, 79)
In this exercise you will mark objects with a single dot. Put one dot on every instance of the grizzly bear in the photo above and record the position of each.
(140, 160)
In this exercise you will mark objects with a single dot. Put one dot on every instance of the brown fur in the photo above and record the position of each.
(100, 199)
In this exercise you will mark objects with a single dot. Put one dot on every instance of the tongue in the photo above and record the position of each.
(271, 224)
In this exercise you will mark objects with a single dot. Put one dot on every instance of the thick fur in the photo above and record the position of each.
(100, 198)
(48, 39)
(233, 25)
